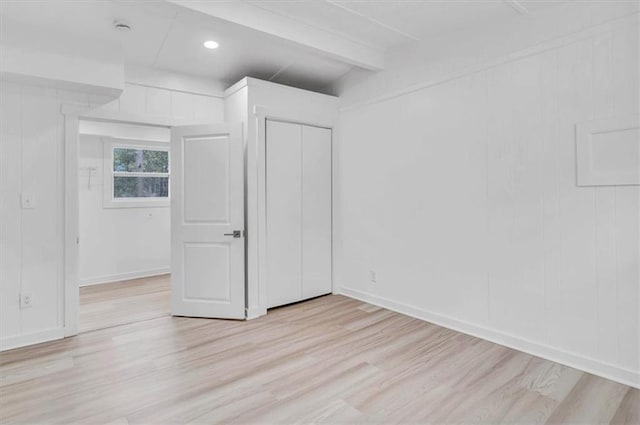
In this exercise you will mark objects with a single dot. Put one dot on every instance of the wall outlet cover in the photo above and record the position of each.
(26, 300)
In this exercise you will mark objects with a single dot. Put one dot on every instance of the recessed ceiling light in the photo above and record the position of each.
(211, 44)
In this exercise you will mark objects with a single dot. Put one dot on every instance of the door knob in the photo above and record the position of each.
(235, 234)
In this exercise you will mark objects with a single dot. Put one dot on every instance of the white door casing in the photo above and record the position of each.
(207, 207)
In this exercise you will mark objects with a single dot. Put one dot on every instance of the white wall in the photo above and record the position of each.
(31, 162)
(31, 239)
(458, 187)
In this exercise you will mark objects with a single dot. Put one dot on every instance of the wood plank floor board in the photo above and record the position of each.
(629, 410)
(330, 360)
(118, 303)
(590, 401)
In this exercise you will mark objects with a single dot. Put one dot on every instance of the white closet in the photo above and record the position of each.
(298, 212)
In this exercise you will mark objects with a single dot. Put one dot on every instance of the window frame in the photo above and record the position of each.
(109, 200)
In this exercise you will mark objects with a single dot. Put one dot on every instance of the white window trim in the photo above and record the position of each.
(109, 201)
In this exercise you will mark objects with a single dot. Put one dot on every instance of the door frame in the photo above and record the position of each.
(261, 114)
(73, 114)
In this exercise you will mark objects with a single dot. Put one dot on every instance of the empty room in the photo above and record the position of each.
(319, 211)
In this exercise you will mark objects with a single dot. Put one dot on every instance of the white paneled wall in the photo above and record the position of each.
(460, 194)
(31, 154)
(31, 239)
(140, 99)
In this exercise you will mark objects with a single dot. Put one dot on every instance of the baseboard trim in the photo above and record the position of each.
(18, 341)
(567, 358)
(123, 276)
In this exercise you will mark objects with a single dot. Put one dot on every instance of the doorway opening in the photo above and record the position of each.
(159, 195)
(124, 250)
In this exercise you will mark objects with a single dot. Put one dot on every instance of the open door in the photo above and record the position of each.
(207, 221)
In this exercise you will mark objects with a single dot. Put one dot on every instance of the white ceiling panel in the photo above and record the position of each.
(95, 18)
(427, 18)
(168, 36)
(334, 17)
(242, 51)
(292, 31)
(314, 73)
(535, 5)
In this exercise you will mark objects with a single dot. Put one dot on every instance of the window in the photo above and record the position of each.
(138, 174)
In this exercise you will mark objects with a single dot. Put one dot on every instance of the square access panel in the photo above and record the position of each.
(608, 152)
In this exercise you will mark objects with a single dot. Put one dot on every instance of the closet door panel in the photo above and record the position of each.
(316, 211)
(283, 213)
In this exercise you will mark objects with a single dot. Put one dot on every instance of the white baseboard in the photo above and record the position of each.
(554, 354)
(18, 341)
(123, 276)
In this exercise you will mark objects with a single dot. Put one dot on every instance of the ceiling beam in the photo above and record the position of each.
(518, 7)
(373, 20)
(291, 30)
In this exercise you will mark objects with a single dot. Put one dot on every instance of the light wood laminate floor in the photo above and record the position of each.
(329, 360)
(128, 301)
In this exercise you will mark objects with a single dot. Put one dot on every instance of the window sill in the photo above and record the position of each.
(137, 203)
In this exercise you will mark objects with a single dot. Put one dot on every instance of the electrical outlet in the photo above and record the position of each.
(26, 299)
(28, 201)
(372, 276)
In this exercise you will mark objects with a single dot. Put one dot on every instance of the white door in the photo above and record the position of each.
(298, 212)
(284, 213)
(207, 221)
(316, 211)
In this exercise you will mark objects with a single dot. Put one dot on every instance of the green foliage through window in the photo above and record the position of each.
(140, 187)
(140, 160)
(140, 173)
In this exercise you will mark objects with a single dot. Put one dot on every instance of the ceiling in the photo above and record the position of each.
(304, 43)
(389, 23)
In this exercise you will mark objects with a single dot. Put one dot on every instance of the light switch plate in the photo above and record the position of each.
(28, 201)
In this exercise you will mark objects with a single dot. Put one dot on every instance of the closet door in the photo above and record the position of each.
(283, 212)
(316, 211)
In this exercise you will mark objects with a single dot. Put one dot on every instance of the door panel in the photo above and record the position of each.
(316, 211)
(283, 213)
(206, 185)
(205, 263)
(207, 206)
